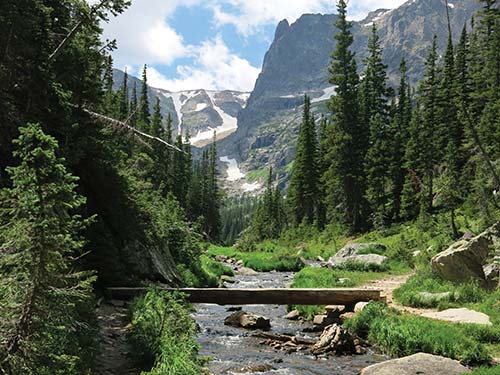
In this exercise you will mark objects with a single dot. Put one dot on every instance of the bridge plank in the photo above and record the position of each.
(278, 296)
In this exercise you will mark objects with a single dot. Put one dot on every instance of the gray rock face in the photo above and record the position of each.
(298, 59)
(247, 320)
(420, 363)
(465, 259)
(461, 315)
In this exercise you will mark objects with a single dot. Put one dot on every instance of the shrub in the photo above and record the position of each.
(402, 335)
(410, 294)
(163, 334)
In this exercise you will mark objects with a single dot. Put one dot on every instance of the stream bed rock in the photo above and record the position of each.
(245, 320)
(417, 364)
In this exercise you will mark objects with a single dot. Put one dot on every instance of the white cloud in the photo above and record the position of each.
(143, 34)
(215, 68)
(250, 15)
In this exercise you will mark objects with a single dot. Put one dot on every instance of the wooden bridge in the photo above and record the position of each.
(279, 296)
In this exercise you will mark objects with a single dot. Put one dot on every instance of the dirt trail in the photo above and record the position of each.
(114, 356)
(388, 286)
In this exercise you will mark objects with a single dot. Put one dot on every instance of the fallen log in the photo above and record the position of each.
(282, 296)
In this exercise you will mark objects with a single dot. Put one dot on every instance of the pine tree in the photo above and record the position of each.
(213, 219)
(268, 221)
(144, 114)
(412, 187)
(157, 120)
(374, 106)
(400, 126)
(303, 192)
(107, 80)
(123, 105)
(344, 180)
(429, 103)
(373, 91)
(133, 106)
(40, 242)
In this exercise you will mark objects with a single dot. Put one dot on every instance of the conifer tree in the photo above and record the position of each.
(344, 180)
(374, 106)
(107, 80)
(429, 103)
(157, 119)
(212, 216)
(133, 106)
(373, 89)
(412, 187)
(303, 192)
(123, 105)
(400, 126)
(39, 244)
(144, 114)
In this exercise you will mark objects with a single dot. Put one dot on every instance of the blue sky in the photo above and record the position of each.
(210, 44)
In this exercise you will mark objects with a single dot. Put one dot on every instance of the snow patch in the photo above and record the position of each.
(229, 124)
(233, 171)
(327, 94)
(248, 188)
(201, 107)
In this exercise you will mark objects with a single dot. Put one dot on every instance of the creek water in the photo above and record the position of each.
(234, 348)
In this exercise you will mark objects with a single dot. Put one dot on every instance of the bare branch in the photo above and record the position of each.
(125, 126)
(93, 10)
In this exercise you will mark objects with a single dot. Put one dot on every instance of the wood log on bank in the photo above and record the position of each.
(279, 296)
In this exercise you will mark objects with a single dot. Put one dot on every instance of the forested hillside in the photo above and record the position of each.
(382, 155)
(95, 190)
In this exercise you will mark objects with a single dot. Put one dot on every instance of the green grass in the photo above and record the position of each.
(402, 335)
(315, 277)
(214, 268)
(163, 335)
(263, 260)
(409, 294)
(486, 371)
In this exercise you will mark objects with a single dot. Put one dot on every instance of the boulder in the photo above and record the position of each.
(292, 315)
(227, 279)
(338, 340)
(323, 320)
(250, 369)
(247, 320)
(354, 249)
(461, 315)
(360, 306)
(465, 259)
(335, 310)
(420, 363)
(492, 274)
(245, 271)
(363, 258)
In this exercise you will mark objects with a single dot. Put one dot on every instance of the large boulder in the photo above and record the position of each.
(461, 315)
(464, 260)
(247, 320)
(420, 363)
(367, 259)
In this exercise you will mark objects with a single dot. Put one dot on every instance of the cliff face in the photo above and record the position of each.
(297, 63)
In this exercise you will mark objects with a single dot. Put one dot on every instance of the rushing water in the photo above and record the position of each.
(233, 348)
